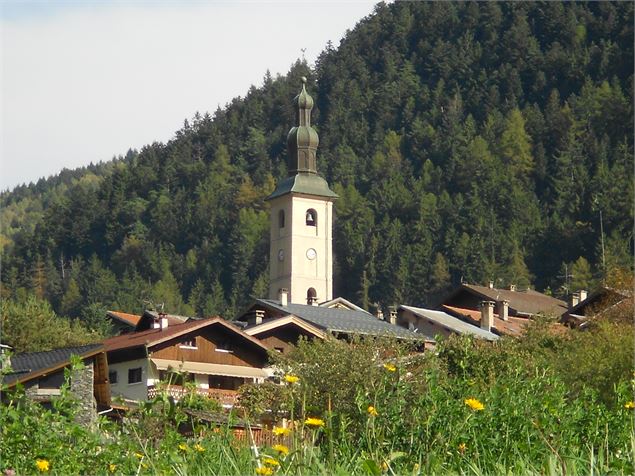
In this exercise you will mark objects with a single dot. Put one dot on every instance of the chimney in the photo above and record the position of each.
(284, 297)
(502, 309)
(260, 315)
(583, 294)
(574, 299)
(393, 315)
(163, 321)
(379, 313)
(512, 287)
(487, 315)
(156, 323)
(490, 285)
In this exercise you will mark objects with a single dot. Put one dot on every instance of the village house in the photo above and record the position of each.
(283, 323)
(212, 354)
(434, 323)
(42, 375)
(583, 307)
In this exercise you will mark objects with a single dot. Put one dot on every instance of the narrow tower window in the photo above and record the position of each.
(311, 296)
(311, 217)
(281, 219)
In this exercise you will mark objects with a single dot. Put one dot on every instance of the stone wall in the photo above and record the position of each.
(82, 390)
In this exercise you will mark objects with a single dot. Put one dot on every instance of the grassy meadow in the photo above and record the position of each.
(543, 404)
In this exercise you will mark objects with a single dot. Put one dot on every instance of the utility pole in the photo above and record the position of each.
(602, 241)
(566, 277)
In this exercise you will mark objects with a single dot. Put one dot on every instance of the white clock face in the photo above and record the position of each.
(311, 253)
(280, 255)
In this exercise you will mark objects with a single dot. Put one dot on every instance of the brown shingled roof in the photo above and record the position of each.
(512, 327)
(152, 337)
(528, 302)
(130, 319)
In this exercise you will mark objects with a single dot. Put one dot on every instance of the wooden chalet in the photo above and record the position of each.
(42, 376)
(124, 323)
(213, 354)
(283, 333)
(280, 324)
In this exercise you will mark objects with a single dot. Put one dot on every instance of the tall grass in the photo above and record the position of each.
(468, 409)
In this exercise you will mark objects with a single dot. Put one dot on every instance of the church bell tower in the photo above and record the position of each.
(301, 252)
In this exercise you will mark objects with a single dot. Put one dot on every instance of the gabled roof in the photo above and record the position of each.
(343, 321)
(526, 302)
(514, 326)
(340, 302)
(449, 322)
(289, 320)
(152, 337)
(30, 365)
(602, 296)
(129, 319)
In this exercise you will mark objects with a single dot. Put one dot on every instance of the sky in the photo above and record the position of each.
(84, 81)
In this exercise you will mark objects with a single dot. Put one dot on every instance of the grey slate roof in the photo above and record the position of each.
(342, 320)
(26, 363)
(450, 322)
(309, 184)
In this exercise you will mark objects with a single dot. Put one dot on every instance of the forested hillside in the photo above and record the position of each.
(467, 141)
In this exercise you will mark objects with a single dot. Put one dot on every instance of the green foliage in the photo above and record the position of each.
(489, 134)
(29, 325)
(517, 406)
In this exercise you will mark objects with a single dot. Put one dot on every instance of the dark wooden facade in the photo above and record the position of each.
(214, 345)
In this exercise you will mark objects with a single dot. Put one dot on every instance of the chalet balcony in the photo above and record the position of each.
(227, 398)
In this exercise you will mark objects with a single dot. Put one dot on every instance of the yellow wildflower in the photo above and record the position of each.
(390, 367)
(144, 466)
(280, 449)
(199, 448)
(289, 378)
(384, 466)
(313, 422)
(183, 447)
(270, 461)
(372, 411)
(112, 468)
(474, 404)
(216, 429)
(462, 448)
(264, 471)
(279, 431)
(629, 405)
(42, 465)
(138, 455)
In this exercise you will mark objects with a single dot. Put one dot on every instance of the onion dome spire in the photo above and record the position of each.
(302, 140)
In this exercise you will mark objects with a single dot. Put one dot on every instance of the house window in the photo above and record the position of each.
(311, 217)
(112, 377)
(225, 346)
(134, 375)
(281, 219)
(189, 342)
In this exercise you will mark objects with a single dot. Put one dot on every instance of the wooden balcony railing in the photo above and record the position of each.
(224, 397)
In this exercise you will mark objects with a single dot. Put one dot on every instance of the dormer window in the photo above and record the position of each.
(311, 217)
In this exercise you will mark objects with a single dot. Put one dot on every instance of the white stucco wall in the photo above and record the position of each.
(134, 391)
(296, 272)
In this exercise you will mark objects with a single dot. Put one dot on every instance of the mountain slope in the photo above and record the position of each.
(467, 141)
